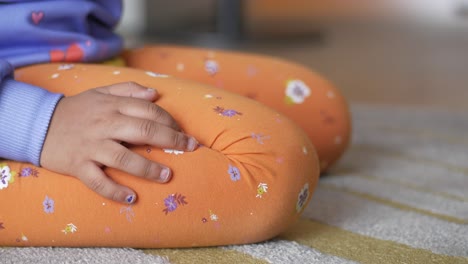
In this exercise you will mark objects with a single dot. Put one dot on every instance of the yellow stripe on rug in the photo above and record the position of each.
(345, 244)
(204, 255)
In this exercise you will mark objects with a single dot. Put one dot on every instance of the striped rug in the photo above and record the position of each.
(399, 195)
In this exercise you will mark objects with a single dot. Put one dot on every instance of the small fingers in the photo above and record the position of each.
(143, 131)
(112, 154)
(95, 179)
(129, 89)
(148, 110)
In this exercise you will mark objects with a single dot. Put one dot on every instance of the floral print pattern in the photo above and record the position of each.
(209, 96)
(226, 112)
(49, 205)
(22, 238)
(262, 188)
(260, 138)
(173, 201)
(154, 74)
(28, 171)
(302, 197)
(70, 228)
(128, 211)
(234, 173)
(65, 67)
(296, 92)
(213, 217)
(173, 151)
(212, 67)
(6, 176)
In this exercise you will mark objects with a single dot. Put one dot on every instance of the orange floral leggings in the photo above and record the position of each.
(251, 178)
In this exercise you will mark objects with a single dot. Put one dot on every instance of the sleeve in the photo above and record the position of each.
(25, 114)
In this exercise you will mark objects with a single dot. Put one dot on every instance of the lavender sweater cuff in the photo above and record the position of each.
(25, 114)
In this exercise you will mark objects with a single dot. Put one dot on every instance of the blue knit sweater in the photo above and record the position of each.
(43, 31)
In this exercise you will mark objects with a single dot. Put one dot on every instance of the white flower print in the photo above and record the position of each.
(70, 228)
(262, 188)
(213, 216)
(296, 91)
(260, 138)
(5, 176)
(154, 74)
(304, 150)
(129, 214)
(174, 151)
(64, 67)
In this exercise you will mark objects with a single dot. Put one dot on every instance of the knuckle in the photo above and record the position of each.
(155, 110)
(97, 185)
(122, 159)
(116, 196)
(179, 140)
(148, 129)
(147, 170)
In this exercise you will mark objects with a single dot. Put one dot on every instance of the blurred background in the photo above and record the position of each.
(398, 52)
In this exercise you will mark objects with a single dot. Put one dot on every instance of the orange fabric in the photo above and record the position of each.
(250, 180)
(297, 92)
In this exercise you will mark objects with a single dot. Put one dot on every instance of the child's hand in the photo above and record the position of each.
(87, 129)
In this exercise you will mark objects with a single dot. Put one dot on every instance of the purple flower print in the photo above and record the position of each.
(3, 177)
(48, 205)
(28, 171)
(173, 201)
(229, 112)
(234, 173)
(302, 197)
(226, 112)
(170, 203)
(211, 67)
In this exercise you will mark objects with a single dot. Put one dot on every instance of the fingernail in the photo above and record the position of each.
(192, 144)
(130, 199)
(151, 90)
(165, 174)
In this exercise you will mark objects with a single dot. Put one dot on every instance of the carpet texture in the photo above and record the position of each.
(399, 195)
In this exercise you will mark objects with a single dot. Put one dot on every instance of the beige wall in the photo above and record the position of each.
(273, 16)
(420, 9)
(278, 16)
